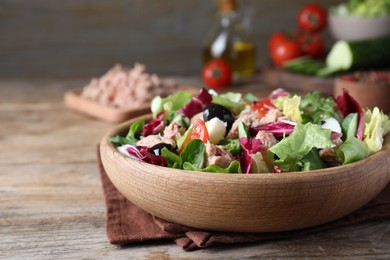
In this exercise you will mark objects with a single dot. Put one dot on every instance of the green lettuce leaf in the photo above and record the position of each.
(250, 97)
(352, 150)
(312, 161)
(369, 8)
(291, 108)
(232, 96)
(291, 150)
(377, 125)
(234, 167)
(230, 101)
(259, 164)
(278, 103)
(349, 126)
(171, 103)
(242, 130)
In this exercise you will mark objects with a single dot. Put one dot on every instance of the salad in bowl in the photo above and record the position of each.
(244, 134)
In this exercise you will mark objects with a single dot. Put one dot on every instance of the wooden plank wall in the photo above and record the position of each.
(84, 38)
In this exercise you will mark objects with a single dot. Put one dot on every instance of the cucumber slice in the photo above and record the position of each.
(363, 54)
(340, 56)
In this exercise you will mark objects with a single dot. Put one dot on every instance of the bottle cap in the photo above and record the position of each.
(226, 6)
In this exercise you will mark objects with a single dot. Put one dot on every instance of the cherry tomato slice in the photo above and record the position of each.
(198, 131)
(262, 106)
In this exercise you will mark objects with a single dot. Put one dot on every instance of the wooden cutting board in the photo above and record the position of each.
(75, 101)
(290, 81)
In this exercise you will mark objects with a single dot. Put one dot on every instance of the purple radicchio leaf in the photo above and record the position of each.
(146, 154)
(276, 169)
(347, 105)
(278, 129)
(196, 104)
(278, 93)
(250, 146)
(154, 126)
(335, 135)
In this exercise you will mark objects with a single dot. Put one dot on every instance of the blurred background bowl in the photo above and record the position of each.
(358, 28)
(374, 93)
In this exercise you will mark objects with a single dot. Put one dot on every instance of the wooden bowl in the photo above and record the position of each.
(245, 202)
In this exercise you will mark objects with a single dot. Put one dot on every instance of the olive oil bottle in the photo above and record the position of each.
(229, 41)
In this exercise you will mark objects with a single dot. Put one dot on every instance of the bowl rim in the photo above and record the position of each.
(360, 18)
(340, 80)
(326, 172)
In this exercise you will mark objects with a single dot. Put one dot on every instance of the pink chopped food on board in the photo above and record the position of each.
(123, 87)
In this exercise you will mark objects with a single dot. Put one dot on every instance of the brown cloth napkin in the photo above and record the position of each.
(126, 223)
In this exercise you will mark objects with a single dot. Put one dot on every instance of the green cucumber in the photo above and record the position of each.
(363, 54)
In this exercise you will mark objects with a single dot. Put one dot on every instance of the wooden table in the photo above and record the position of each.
(51, 201)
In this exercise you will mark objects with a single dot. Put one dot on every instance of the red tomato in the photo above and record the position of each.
(217, 74)
(198, 131)
(312, 45)
(312, 17)
(275, 39)
(262, 106)
(285, 50)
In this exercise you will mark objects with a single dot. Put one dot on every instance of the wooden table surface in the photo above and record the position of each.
(51, 201)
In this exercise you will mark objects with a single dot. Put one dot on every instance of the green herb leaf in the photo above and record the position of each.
(315, 108)
(194, 153)
(122, 140)
(132, 136)
(232, 145)
(173, 160)
(135, 130)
